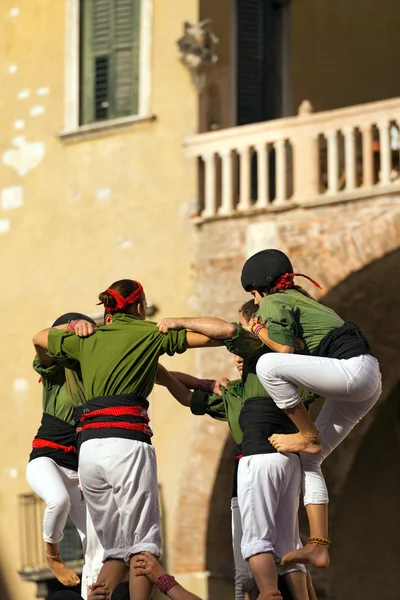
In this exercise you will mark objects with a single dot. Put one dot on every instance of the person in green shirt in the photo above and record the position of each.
(52, 471)
(336, 363)
(268, 483)
(117, 464)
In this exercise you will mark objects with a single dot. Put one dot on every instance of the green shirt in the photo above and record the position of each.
(250, 348)
(120, 358)
(290, 314)
(62, 390)
(225, 408)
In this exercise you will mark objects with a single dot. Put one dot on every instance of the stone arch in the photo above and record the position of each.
(367, 296)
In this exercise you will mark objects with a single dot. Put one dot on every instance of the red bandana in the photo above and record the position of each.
(285, 281)
(122, 302)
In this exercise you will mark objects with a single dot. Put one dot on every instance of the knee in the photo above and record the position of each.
(265, 364)
(60, 503)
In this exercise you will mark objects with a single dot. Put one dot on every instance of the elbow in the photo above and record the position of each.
(230, 332)
(286, 350)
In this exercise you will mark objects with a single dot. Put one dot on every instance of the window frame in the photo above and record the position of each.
(73, 71)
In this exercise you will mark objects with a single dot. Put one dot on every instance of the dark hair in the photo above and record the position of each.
(248, 309)
(250, 588)
(298, 288)
(124, 287)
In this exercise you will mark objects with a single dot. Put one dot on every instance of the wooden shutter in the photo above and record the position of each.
(110, 65)
(250, 65)
(259, 60)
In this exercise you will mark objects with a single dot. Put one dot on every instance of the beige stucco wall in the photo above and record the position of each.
(93, 211)
(344, 52)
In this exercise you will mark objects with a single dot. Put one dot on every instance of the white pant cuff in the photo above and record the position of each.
(317, 499)
(291, 569)
(50, 540)
(152, 548)
(259, 547)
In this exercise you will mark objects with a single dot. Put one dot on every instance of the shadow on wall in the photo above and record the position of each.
(219, 557)
(4, 592)
(365, 559)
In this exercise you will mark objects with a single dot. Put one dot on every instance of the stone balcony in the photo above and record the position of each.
(310, 159)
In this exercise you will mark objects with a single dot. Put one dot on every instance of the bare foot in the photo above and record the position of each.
(295, 442)
(311, 554)
(61, 571)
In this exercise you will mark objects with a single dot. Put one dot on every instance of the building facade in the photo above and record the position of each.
(119, 161)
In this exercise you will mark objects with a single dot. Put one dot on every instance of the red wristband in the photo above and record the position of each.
(258, 328)
(71, 324)
(206, 385)
(165, 583)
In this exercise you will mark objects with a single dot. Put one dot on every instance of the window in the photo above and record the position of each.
(110, 62)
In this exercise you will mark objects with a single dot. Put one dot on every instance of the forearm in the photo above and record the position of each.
(198, 340)
(41, 340)
(209, 326)
(179, 593)
(189, 381)
(275, 346)
(177, 389)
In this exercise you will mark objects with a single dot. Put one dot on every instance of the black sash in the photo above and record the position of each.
(91, 419)
(259, 419)
(347, 341)
(56, 430)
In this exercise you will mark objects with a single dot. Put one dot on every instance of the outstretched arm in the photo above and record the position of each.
(198, 340)
(81, 327)
(177, 389)
(212, 327)
(146, 564)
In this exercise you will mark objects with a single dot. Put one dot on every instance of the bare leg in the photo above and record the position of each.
(314, 553)
(58, 568)
(310, 587)
(265, 573)
(297, 585)
(140, 587)
(307, 440)
(112, 573)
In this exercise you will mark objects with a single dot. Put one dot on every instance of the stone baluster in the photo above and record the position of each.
(210, 205)
(385, 150)
(367, 155)
(280, 161)
(262, 175)
(227, 197)
(245, 179)
(333, 161)
(350, 157)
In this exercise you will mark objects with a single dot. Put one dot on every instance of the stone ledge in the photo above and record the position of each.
(103, 128)
(356, 195)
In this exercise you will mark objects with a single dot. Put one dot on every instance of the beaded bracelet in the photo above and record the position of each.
(165, 583)
(258, 328)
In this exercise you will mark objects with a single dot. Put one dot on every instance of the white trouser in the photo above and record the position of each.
(351, 387)
(93, 556)
(242, 569)
(119, 481)
(268, 495)
(59, 488)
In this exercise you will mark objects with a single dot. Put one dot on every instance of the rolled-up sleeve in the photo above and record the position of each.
(243, 343)
(174, 342)
(64, 343)
(279, 318)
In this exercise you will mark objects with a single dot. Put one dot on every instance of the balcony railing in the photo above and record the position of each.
(33, 563)
(342, 154)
